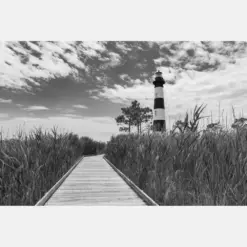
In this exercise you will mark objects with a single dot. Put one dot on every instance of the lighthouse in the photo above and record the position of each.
(159, 122)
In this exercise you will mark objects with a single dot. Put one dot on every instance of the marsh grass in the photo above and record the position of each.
(186, 168)
(31, 164)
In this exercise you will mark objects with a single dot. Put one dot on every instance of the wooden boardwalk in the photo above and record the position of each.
(95, 181)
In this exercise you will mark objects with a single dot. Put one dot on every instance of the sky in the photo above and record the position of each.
(81, 86)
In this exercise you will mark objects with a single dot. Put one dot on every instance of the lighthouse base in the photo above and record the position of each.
(159, 125)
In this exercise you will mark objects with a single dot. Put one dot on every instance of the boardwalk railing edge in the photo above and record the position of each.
(138, 191)
(48, 194)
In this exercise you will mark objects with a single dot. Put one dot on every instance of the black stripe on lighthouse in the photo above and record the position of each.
(159, 83)
(159, 103)
(159, 125)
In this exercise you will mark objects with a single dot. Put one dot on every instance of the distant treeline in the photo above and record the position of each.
(86, 145)
(31, 164)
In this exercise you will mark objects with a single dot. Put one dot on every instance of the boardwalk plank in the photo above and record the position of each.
(95, 182)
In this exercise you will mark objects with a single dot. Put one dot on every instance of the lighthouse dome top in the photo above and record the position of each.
(159, 80)
(158, 74)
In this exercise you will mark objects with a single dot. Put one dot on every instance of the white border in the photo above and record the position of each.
(125, 20)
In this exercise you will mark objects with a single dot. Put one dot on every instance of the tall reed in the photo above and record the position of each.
(32, 163)
(186, 168)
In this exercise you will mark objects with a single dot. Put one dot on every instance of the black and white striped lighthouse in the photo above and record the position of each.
(159, 122)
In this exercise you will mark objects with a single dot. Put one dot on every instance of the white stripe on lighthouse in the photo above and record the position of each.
(159, 114)
(158, 92)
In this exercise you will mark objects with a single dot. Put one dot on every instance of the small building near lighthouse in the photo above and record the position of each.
(159, 123)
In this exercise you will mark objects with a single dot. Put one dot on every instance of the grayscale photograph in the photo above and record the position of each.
(123, 123)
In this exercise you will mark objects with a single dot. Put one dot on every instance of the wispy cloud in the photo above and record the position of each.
(124, 94)
(94, 97)
(36, 108)
(129, 80)
(28, 64)
(5, 100)
(125, 77)
(19, 105)
(25, 62)
(80, 106)
(122, 46)
(199, 56)
(89, 49)
(103, 79)
(113, 60)
(141, 65)
(70, 115)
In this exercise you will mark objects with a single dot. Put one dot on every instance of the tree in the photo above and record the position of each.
(140, 115)
(134, 115)
(146, 114)
(125, 119)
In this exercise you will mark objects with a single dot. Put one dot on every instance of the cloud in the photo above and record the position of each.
(94, 91)
(94, 97)
(80, 106)
(140, 65)
(19, 105)
(125, 77)
(113, 60)
(199, 56)
(70, 115)
(25, 62)
(124, 94)
(92, 49)
(144, 74)
(123, 47)
(129, 80)
(29, 64)
(73, 59)
(103, 79)
(137, 81)
(5, 100)
(36, 108)
(94, 45)
(158, 61)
